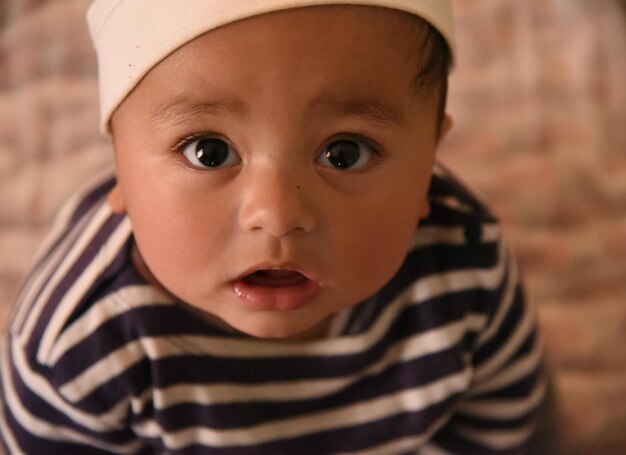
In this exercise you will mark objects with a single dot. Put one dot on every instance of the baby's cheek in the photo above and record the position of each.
(377, 258)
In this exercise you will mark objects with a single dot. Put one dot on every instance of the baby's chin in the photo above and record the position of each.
(268, 328)
(265, 326)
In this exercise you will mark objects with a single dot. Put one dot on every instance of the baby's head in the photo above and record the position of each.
(274, 168)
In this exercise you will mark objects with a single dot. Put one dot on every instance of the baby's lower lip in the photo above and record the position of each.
(276, 290)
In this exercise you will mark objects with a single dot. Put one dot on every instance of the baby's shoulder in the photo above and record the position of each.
(83, 303)
(458, 222)
(81, 262)
(453, 202)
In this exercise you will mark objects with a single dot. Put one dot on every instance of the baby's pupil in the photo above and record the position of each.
(343, 154)
(212, 152)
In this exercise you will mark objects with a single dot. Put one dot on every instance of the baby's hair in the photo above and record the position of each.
(433, 57)
(435, 66)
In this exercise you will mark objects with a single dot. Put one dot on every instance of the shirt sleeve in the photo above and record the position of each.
(498, 414)
(36, 418)
(37, 415)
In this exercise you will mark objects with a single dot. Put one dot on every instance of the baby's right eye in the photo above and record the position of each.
(210, 153)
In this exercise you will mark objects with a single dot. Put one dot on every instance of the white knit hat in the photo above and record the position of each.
(132, 36)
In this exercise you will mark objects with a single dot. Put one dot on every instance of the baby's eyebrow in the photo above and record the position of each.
(181, 107)
(371, 108)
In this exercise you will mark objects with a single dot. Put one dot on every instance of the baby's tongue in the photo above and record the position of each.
(275, 278)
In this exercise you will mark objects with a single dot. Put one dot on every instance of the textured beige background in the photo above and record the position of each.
(539, 99)
(540, 103)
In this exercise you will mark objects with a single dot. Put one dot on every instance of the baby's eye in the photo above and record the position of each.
(346, 154)
(210, 153)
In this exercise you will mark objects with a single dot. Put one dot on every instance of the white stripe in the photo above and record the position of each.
(454, 203)
(412, 400)
(339, 323)
(475, 322)
(66, 306)
(5, 432)
(457, 281)
(61, 271)
(43, 271)
(497, 439)
(518, 370)
(138, 403)
(432, 449)
(437, 235)
(406, 444)
(420, 291)
(157, 348)
(112, 365)
(102, 311)
(496, 362)
(45, 429)
(505, 409)
(506, 261)
(41, 387)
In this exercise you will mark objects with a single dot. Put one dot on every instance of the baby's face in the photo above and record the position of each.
(275, 169)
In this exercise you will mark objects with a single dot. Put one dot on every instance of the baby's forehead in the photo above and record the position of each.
(334, 24)
(231, 63)
(132, 36)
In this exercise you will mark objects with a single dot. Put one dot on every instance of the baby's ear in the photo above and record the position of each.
(446, 125)
(116, 201)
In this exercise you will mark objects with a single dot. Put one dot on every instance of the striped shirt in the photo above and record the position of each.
(443, 359)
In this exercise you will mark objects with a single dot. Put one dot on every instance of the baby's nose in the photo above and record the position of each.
(277, 203)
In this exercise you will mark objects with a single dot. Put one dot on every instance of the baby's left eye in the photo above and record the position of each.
(346, 154)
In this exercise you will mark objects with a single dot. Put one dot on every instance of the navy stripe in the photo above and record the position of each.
(115, 277)
(348, 439)
(520, 388)
(429, 261)
(397, 378)
(60, 291)
(31, 444)
(132, 325)
(508, 424)
(453, 443)
(36, 274)
(40, 408)
(440, 259)
(451, 186)
(91, 199)
(444, 216)
(88, 204)
(508, 326)
(132, 382)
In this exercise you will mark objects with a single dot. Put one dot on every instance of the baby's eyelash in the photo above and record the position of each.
(180, 145)
(365, 140)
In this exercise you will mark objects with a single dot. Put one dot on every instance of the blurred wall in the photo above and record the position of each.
(539, 99)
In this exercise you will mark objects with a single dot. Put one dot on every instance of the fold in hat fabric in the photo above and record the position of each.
(132, 36)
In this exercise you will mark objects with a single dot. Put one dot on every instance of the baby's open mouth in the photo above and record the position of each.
(276, 289)
(275, 278)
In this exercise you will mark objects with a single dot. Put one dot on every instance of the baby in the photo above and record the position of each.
(278, 266)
